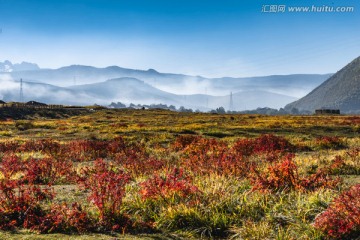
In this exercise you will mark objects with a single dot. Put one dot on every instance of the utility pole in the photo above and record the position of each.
(231, 105)
(21, 91)
(207, 98)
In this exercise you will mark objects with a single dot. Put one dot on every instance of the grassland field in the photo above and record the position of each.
(157, 174)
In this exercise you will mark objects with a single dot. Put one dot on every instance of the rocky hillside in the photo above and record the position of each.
(341, 91)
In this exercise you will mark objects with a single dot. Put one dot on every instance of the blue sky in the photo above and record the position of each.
(197, 37)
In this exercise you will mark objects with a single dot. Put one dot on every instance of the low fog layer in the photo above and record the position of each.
(131, 90)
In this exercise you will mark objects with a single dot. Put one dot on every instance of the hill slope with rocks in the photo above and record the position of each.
(341, 91)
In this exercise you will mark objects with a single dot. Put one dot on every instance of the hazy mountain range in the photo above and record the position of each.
(78, 84)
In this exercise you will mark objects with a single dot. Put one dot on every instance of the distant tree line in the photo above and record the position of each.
(219, 110)
(142, 106)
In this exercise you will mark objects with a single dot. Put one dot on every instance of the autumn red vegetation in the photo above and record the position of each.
(342, 219)
(267, 162)
(174, 184)
(107, 190)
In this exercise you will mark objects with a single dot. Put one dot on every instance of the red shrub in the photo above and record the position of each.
(20, 204)
(135, 159)
(205, 156)
(279, 176)
(48, 146)
(320, 179)
(183, 141)
(339, 166)
(283, 175)
(204, 146)
(10, 165)
(85, 150)
(63, 218)
(270, 143)
(48, 171)
(107, 189)
(116, 145)
(245, 147)
(342, 219)
(88, 150)
(137, 164)
(174, 183)
(8, 146)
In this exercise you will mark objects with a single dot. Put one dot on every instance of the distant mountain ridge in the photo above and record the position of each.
(296, 85)
(127, 90)
(132, 90)
(341, 91)
(88, 85)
